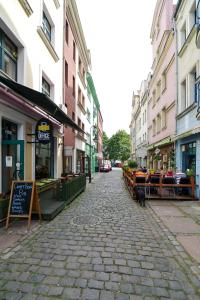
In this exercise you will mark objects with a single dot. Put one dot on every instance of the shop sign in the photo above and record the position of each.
(43, 131)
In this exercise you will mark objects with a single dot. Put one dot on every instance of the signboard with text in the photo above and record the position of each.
(43, 131)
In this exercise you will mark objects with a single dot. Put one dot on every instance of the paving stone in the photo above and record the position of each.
(72, 293)
(107, 295)
(95, 284)
(117, 251)
(90, 294)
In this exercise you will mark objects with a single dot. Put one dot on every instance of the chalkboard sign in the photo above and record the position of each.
(23, 198)
(22, 193)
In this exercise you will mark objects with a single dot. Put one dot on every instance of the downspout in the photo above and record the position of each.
(176, 76)
(63, 82)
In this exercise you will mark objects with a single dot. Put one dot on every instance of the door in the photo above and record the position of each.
(12, 163)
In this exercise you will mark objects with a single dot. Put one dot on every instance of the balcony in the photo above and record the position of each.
(198, 25)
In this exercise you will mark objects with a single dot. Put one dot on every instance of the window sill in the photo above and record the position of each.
(26, 7)
(47, 44)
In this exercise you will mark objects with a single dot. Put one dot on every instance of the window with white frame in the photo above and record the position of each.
(183, 99)
(164, 81)
(158, 123)
(8, 56)
(46, 26)
(182, 35)
(192, 86)
(158, 90)
(46, 87)
(154, 98)
(154, 127)
(163, 116)
(192, 16)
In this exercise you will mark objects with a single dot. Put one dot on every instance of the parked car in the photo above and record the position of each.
(118, 164)
(104, 168)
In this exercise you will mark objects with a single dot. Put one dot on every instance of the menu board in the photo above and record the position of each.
(23, 199)
(21, 195)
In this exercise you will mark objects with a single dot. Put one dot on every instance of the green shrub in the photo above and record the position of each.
(132, 164)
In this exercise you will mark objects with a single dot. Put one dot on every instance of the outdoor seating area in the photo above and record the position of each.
(160, 185)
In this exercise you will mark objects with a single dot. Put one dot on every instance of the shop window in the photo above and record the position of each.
(8, 56)
(189, 157)
(43, 160)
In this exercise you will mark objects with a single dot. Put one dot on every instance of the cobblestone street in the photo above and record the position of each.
(103, 246)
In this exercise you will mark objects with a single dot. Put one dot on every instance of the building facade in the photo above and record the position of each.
(162, 89)
(132, 126)
(22, 154)
(141, 125)
(188, 75)
(77, 97)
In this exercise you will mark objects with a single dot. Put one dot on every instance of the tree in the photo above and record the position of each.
(119, 146)
(105, 145)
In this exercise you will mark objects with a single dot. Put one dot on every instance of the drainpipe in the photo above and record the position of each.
(176, 74)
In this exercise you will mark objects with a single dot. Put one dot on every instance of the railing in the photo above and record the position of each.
(158, 189)
(72, 187)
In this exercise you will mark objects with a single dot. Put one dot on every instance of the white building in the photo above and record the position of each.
(31, 45)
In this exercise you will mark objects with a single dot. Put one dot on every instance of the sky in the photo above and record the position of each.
(117, 33)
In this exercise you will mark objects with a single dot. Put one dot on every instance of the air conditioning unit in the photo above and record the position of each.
(63, 107)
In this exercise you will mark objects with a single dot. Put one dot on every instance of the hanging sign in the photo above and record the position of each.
(43, 131)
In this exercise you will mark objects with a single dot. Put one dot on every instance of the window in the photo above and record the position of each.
(79, 65)
(66, 32)
(145, 116)
(73, 91)
(183, 35)
(183, 95)
(192, 16)
(74, 51)
(88, 115)
(43, 161)
(83, 101)
(66, 73)
(164, 118)
(79, 122)
(154, 127)
(158, 90)
(73, 116)
(8, 56)
(192, 86)
(46, 27)
(158, 123)
(83, 74)
(45, 87)
(154, 98)
(79, 94)
(189, 157)
(83, 126)
(164, 81)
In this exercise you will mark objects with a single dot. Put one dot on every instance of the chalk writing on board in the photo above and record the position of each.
(21, 197)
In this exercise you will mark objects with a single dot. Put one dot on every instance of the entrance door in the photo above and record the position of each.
(12, 163)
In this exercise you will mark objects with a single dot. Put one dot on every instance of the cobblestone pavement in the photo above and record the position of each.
(103, 246)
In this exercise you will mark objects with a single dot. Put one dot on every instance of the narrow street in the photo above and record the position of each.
(103, 246)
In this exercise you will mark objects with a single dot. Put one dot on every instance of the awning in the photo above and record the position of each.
(163, 142)
(42, 101)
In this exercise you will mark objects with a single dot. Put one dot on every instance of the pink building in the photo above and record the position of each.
(162, 88)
